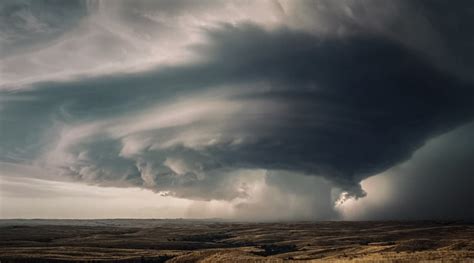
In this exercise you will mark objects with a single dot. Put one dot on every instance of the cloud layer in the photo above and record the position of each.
(173, 97)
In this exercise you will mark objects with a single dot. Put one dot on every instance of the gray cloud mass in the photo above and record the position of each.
(327, 91)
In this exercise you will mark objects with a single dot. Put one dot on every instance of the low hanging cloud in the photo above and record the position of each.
(336, 103)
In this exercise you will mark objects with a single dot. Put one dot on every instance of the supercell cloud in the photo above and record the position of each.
(268, 106)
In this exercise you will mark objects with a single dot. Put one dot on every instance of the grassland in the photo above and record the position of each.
(220, 241)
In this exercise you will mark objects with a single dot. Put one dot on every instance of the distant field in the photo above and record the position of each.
(221, 241)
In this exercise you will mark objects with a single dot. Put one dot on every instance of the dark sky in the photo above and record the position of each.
(273, 109)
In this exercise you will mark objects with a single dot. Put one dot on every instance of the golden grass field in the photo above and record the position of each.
(123, 240)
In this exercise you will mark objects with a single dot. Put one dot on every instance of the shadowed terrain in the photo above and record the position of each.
(123, 240)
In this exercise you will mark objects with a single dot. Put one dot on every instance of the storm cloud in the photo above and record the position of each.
(330, 90)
